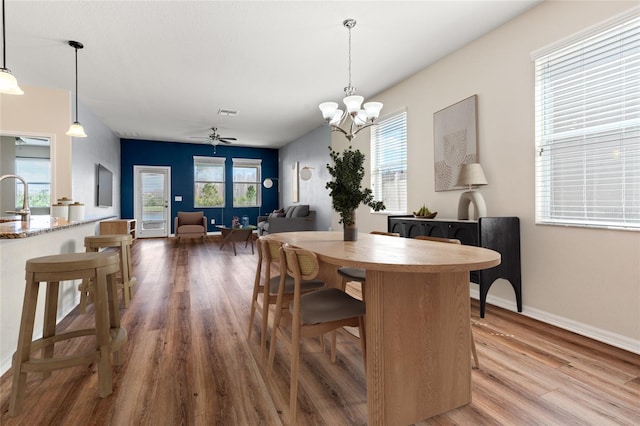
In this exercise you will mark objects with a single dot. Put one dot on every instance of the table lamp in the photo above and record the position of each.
(471, 175)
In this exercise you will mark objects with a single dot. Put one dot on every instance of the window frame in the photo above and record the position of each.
(32, 183)
(587, 120)
(378, 167)
(245, 163)
(213, 161)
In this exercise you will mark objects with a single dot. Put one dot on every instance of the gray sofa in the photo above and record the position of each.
(291, 219)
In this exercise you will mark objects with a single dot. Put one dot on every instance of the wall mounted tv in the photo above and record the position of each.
(105, 187)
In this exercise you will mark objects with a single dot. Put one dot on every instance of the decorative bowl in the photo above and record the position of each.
(430, 216)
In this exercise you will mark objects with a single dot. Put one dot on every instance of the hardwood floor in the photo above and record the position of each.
(188, 362)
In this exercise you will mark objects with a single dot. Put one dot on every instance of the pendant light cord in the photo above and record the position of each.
(76, 49)
(4, 44)
(349, 56)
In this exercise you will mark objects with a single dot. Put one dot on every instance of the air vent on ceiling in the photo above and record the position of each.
(127, 134)
(227, 112)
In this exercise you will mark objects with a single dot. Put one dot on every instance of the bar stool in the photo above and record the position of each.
(110, 337)
(121, 242)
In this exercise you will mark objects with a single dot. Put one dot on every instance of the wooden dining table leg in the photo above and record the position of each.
(417, 340)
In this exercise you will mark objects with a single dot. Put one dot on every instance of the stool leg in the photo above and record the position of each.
(114, 312)
(101, 303)
(132, 280)
(50, 312)
(24, 345)
(124, 270)
(84, 295)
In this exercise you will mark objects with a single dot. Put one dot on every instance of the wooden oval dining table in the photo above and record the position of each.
(417, 318)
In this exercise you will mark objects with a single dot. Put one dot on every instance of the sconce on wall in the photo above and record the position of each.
(471, 175)
(305, 173)
(268, 183)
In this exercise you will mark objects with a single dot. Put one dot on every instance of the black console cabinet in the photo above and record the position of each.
(501, 234)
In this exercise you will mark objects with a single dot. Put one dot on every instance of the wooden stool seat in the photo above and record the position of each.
(122, 243)
(110, 337)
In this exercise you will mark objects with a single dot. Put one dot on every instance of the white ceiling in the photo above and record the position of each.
(161, 70)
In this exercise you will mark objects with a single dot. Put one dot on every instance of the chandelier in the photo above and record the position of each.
(361, 116)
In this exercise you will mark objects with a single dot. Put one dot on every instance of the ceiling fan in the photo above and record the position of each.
(214, 138)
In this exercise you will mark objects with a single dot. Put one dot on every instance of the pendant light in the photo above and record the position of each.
(8, 83)
(76, 129)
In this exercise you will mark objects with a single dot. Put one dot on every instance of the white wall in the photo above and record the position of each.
(42, 112)
(101, 146)
(311, 150)
(585, 280)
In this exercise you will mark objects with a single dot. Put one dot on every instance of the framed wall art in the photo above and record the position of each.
(455, 131)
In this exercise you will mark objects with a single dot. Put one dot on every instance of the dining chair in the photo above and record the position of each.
(354, 275)
(309, 315)
(267, 286)
(454, 241)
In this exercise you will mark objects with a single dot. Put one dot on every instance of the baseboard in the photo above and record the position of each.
(604, 336)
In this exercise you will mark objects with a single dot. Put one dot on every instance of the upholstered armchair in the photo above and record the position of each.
(190, 224)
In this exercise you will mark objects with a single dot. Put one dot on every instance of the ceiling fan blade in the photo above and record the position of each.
(228, 141)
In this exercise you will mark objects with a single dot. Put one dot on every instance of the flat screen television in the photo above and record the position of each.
(105, 187)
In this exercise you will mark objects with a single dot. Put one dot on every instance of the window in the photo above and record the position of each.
(208, 175)
(37, 173)
(389, 162)
(246, 182)
(588, 128)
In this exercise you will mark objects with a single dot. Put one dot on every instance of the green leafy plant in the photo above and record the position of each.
(346, 193)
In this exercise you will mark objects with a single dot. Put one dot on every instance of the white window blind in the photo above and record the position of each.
(587, 110)
(209, 181)
(389, 162)
(246, 182)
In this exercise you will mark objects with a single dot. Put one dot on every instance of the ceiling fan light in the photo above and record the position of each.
(353, 103)
(372, 109)
(76, 130)
(328, 110)
(8, 83)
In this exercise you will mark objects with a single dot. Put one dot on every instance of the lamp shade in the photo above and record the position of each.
(8, 83)
(328, 110)
(353, 103)
(76, 130)
(471, 174)
(372, 109)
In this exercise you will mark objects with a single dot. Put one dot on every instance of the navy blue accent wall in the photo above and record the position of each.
(179, 156)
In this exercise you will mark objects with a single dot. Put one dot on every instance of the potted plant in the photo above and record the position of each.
(345, 189)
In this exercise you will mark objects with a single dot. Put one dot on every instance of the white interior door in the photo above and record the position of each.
(151, 188)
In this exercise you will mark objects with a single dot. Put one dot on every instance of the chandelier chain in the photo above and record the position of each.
(349, 57)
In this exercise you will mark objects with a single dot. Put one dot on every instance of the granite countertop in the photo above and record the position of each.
(11, 227)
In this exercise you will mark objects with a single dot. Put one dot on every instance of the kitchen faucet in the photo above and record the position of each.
(25, 213)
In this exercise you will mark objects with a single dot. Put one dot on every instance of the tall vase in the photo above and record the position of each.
(351, 231)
